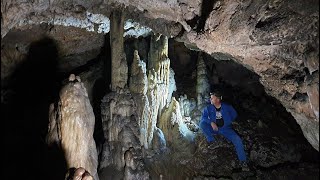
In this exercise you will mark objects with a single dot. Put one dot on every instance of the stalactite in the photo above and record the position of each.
(119, 70)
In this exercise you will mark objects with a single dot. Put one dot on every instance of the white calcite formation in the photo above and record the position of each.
(172, 125)
(153, 97)
(151, 91)
(122, 148)
(138, 87)
(71, 126)
(203, 86)
(119, 70)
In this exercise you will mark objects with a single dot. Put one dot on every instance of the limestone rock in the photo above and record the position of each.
(71, 125)
(313, 94)
(138, 78)
(159, 142)
(172, 125)
(172, 85)
(119, 70)
(203, 87)
(122, 149)
(187, 105)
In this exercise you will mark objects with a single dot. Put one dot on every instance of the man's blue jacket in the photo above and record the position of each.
(229, 114)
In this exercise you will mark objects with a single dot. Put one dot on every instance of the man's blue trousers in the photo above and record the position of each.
(229, 134)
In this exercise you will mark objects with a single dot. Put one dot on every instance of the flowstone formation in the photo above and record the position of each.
(71, 126)
(122, 150)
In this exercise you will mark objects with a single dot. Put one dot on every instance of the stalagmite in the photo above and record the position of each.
(138, 87)
(71, 125)
(121, 132)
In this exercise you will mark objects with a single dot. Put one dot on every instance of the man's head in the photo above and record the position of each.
(215, 98)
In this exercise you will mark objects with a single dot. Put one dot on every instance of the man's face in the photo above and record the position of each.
(214, 99)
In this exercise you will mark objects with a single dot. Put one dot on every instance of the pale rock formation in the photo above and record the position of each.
(71, 126)
(138, 87)
(119, 74)
(203, 87)
(158, 81)
(186, 105)
(122, 148)
(172, 125)
(172, 85)
(193, 108)
(159, 142)
(138, 79)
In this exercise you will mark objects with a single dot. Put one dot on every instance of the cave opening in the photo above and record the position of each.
(148, 126)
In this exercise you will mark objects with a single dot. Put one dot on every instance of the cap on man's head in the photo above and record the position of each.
(217, 94)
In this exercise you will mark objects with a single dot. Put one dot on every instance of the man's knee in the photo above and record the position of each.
(204, 125)
(235, 138)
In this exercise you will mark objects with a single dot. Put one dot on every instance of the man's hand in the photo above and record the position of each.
(78, 174)
(214, 126)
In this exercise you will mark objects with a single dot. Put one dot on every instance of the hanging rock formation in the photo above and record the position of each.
(71, 126)
(119, 74)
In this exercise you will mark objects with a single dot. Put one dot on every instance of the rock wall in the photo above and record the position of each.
(71, 126)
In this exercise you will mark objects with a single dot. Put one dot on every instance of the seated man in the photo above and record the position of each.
(216, 119)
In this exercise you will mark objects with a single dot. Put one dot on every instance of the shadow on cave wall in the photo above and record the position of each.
(35, 84)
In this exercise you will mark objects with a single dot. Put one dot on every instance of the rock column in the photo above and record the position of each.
(119, 68)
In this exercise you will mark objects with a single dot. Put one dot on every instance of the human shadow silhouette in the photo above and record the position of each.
(36, 85)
